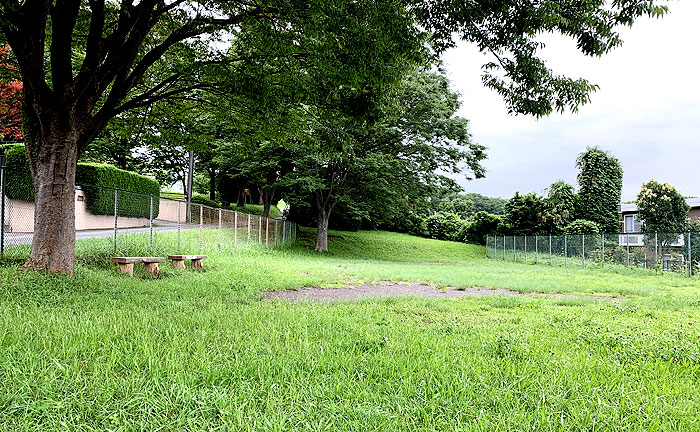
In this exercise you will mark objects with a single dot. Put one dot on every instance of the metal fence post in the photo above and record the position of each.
(248, 239)
(267, 231)
(235, 228)
(525, 248)
(602, 253)
(536, 250)
(550, 249)
(201, 226)
(259, 229)
(514, 255)
(565, 247)
(628, 249)
(583, 250)
(690, 256)
(116, 209)
(150, 224)
(656, 251)
(284, 231)
(220, 231)
(179, 204)
(504, 247)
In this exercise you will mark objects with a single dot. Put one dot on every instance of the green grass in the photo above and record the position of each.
(201, 351)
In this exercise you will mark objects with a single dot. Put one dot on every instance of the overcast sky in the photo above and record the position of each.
(646, 112)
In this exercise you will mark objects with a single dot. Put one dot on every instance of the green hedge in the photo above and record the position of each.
(18, 178)
(100, 200)
(204, 200)
(256, 209)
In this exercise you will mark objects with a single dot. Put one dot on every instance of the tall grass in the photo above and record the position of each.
(201, 351)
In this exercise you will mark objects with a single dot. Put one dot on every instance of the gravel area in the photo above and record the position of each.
(389, 289)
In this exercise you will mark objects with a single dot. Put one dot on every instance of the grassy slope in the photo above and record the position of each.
(200, 351)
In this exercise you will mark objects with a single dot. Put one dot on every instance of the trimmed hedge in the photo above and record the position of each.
(18, 178)
(100, 200)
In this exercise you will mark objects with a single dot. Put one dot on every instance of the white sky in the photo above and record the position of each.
(646, 112)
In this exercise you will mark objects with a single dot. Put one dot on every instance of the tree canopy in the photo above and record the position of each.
(83, 63)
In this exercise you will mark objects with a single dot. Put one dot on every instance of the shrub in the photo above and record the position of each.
(481, 225)
(444, 226)
(582, 226)
(18, 178)
(256, 209)
(204, 200)
(133, 202)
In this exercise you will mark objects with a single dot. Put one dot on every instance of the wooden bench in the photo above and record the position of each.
(178, 261)
(126, 264)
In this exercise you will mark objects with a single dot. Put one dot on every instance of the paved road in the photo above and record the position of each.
(16, 239)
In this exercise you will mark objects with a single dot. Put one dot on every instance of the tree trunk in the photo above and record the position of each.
(212, 184)
(266, 196)
(260, 196)
(324, 214)
(240, 196)
(53, 159)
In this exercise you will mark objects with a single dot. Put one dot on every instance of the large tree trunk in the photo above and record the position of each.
(240, 200)
(267, 196)
(324, 215)
(53, 160)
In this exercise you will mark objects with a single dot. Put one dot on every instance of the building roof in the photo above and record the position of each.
(632, 208)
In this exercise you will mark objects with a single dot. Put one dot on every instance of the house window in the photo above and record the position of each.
(629, 223)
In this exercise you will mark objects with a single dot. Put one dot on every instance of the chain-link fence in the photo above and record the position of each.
(113, 221)
(673, 252)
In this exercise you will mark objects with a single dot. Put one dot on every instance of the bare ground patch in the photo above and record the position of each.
(390, 289)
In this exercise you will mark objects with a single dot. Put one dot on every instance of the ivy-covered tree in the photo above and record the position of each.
(662, 210)
(600, 189)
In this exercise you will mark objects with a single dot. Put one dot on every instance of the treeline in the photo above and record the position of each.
(562, 209)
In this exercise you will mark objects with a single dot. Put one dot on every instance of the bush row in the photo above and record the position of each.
(449, 226)
(98, 182)
(257, 210)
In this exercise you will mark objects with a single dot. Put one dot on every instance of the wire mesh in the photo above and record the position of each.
(661, 252)
(117, 222)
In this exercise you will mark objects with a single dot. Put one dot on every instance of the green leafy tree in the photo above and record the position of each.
(460, 205)
(600, 189)
(481, 225)
(581, 226)
(663, 210)
(522, 214)
(399, 152)
(444, 226)
(83, 63)
(486, 204)
(559, 207)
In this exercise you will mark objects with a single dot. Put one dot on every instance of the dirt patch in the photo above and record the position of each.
(390, 289)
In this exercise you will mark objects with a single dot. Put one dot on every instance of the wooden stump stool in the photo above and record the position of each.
(178, 261)
(126, 264)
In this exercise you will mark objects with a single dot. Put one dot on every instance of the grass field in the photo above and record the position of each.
(203, 351)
